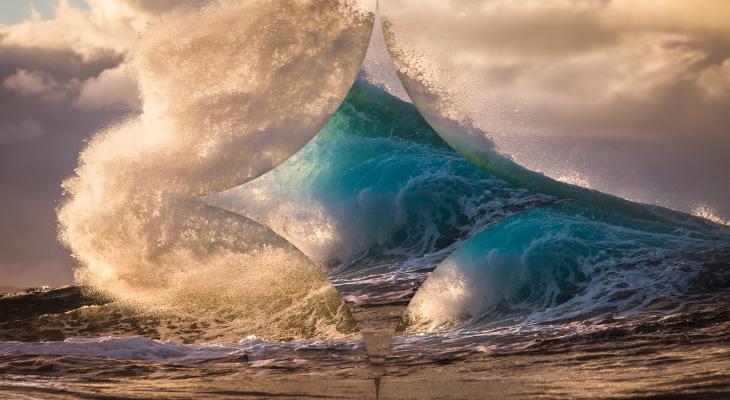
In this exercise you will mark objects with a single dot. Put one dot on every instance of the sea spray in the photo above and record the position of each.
(230, 90)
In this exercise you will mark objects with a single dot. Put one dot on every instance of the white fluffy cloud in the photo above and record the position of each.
(39, 85)
(576, 67)
(113, 88)
(106, 31)
(86, 33)
(107, 26)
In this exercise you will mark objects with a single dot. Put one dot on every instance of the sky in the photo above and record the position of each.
(14, 11)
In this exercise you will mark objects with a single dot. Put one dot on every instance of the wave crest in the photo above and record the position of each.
(230, 90)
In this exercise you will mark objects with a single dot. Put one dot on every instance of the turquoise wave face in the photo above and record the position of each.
(377, 191)
(552, 264)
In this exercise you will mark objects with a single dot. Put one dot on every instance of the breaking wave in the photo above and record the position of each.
(176, 210)
(223, 103)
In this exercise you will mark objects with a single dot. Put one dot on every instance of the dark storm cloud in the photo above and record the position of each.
(63, 64)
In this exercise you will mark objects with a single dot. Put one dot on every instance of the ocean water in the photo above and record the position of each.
(499, 282)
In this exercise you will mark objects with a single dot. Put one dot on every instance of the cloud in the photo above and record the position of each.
(715, 81)
(562, 63)
(29, 83)
(27, 131)
(39, 85)
(113, 88)
(84, 32)
(106, 27)
(102, 35)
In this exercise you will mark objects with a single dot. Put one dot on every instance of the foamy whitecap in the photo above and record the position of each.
(704, 211)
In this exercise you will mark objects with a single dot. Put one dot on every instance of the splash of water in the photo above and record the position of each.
(702, 210)
(230, 90)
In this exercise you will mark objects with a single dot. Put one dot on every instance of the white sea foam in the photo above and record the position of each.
(141, 348)
(704, 211)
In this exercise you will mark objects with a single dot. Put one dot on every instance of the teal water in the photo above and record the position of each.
(396, 200)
